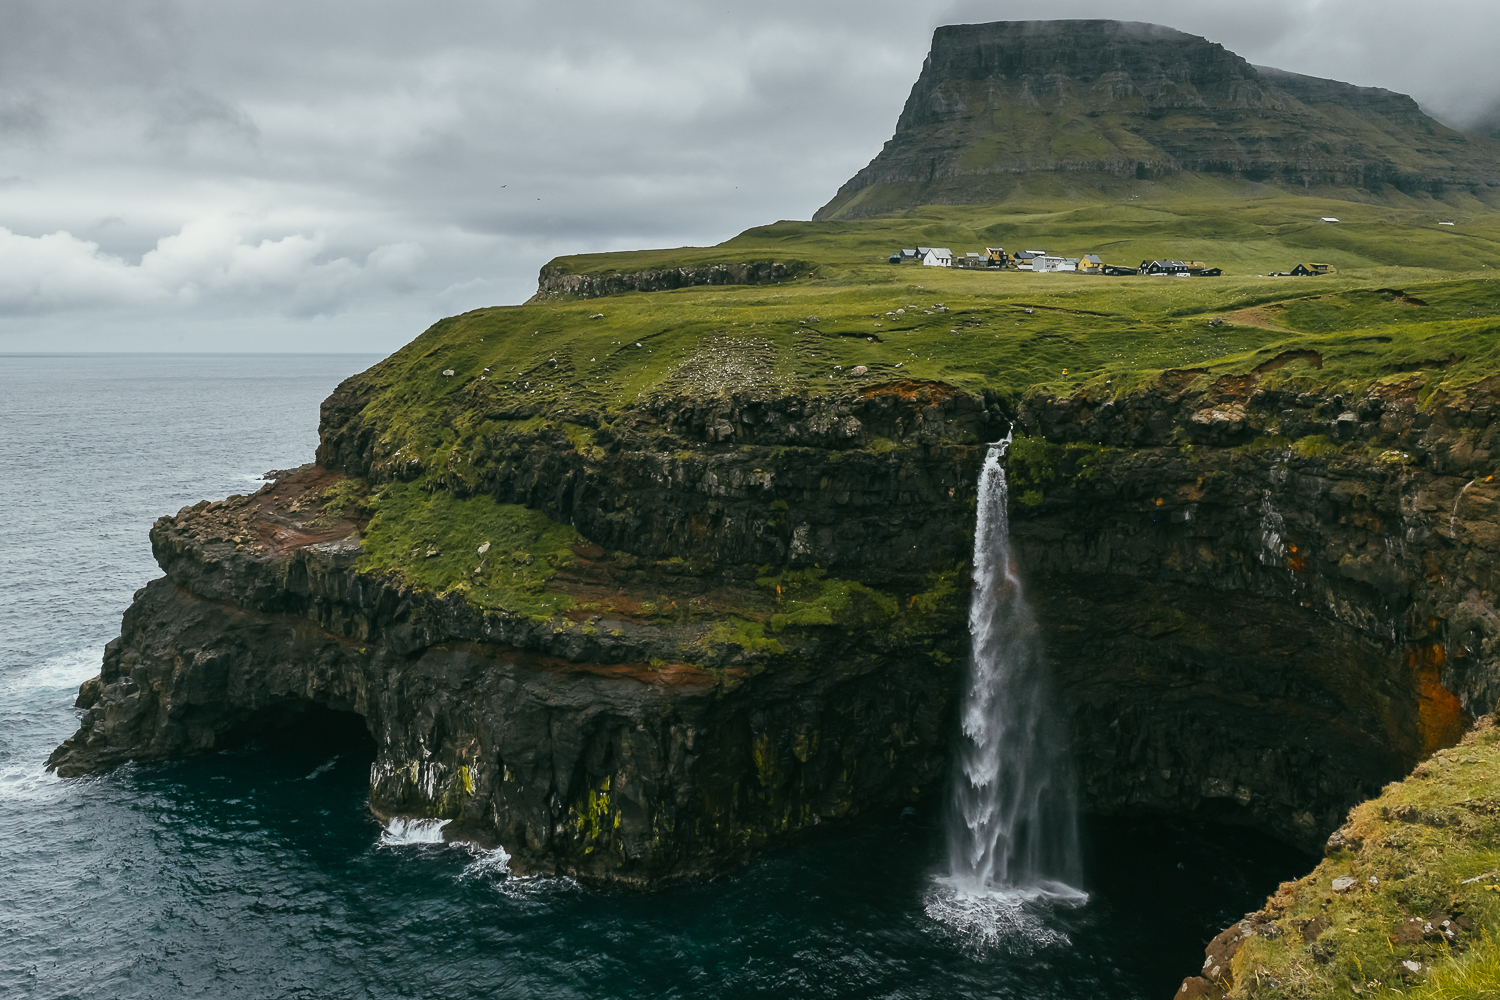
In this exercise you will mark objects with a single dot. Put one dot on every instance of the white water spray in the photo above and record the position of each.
(1013, 847)
(403, 831)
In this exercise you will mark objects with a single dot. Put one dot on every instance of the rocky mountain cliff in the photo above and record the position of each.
(1097, 102)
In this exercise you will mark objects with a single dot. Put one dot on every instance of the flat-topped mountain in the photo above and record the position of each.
(1094, 102)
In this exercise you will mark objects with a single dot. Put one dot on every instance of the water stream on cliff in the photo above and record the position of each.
(258, 871)
(1012, 825)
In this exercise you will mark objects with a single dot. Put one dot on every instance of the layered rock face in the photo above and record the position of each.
(1260, 607)
(997, 103)
(1309, 619)
(661, 740)
(553, 283)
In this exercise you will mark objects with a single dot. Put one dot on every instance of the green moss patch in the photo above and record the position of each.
(809, 597)
(345, 498)
(498, 556)
(1034, 463)
(736, 632)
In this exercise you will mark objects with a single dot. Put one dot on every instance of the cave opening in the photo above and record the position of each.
(301, 727)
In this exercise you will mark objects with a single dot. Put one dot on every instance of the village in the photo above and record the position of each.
(1041, 262)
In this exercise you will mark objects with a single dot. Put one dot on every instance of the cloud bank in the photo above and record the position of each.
(336, 176)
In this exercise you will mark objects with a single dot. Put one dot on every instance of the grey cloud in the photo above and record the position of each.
(182, 111)
(485, 137)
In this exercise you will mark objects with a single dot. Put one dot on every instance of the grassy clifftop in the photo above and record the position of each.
(1014, 333)
(1412, 301)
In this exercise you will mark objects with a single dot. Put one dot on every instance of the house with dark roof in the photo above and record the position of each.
(1178, 269)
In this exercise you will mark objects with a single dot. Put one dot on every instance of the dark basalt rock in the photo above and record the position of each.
(1241, 629)
(1110, 101)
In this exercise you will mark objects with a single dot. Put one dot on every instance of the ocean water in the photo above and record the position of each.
(258, 872)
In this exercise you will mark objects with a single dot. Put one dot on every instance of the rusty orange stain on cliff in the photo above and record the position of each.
(672, 675)
(1235, 386)
(1294, 560)
(1442, 715)
(275, 517)
(910, 391)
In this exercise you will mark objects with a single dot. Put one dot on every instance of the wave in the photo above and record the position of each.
(323, 768)
(403, 831)
(487, 864)
(62, 672)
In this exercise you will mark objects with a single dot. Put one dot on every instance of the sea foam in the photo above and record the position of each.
(402, 831)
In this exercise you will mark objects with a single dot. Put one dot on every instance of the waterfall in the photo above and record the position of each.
(1012, 821)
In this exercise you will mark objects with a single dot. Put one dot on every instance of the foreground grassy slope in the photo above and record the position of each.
(1406, 905)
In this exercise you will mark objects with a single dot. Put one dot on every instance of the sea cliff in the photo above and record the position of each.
(1262, 607)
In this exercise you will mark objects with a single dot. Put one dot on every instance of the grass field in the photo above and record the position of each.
(1410, 300)
(1245, 229)
(1012, 332)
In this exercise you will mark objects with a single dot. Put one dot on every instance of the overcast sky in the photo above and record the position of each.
(335, 175)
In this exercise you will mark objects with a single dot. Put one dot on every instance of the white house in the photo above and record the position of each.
(1047, 262)
(1024, 258)
(1328, 218)
(938, 257)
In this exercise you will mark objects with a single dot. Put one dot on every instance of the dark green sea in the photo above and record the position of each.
(257, 871)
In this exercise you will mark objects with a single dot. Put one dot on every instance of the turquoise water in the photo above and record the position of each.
(257, 872)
